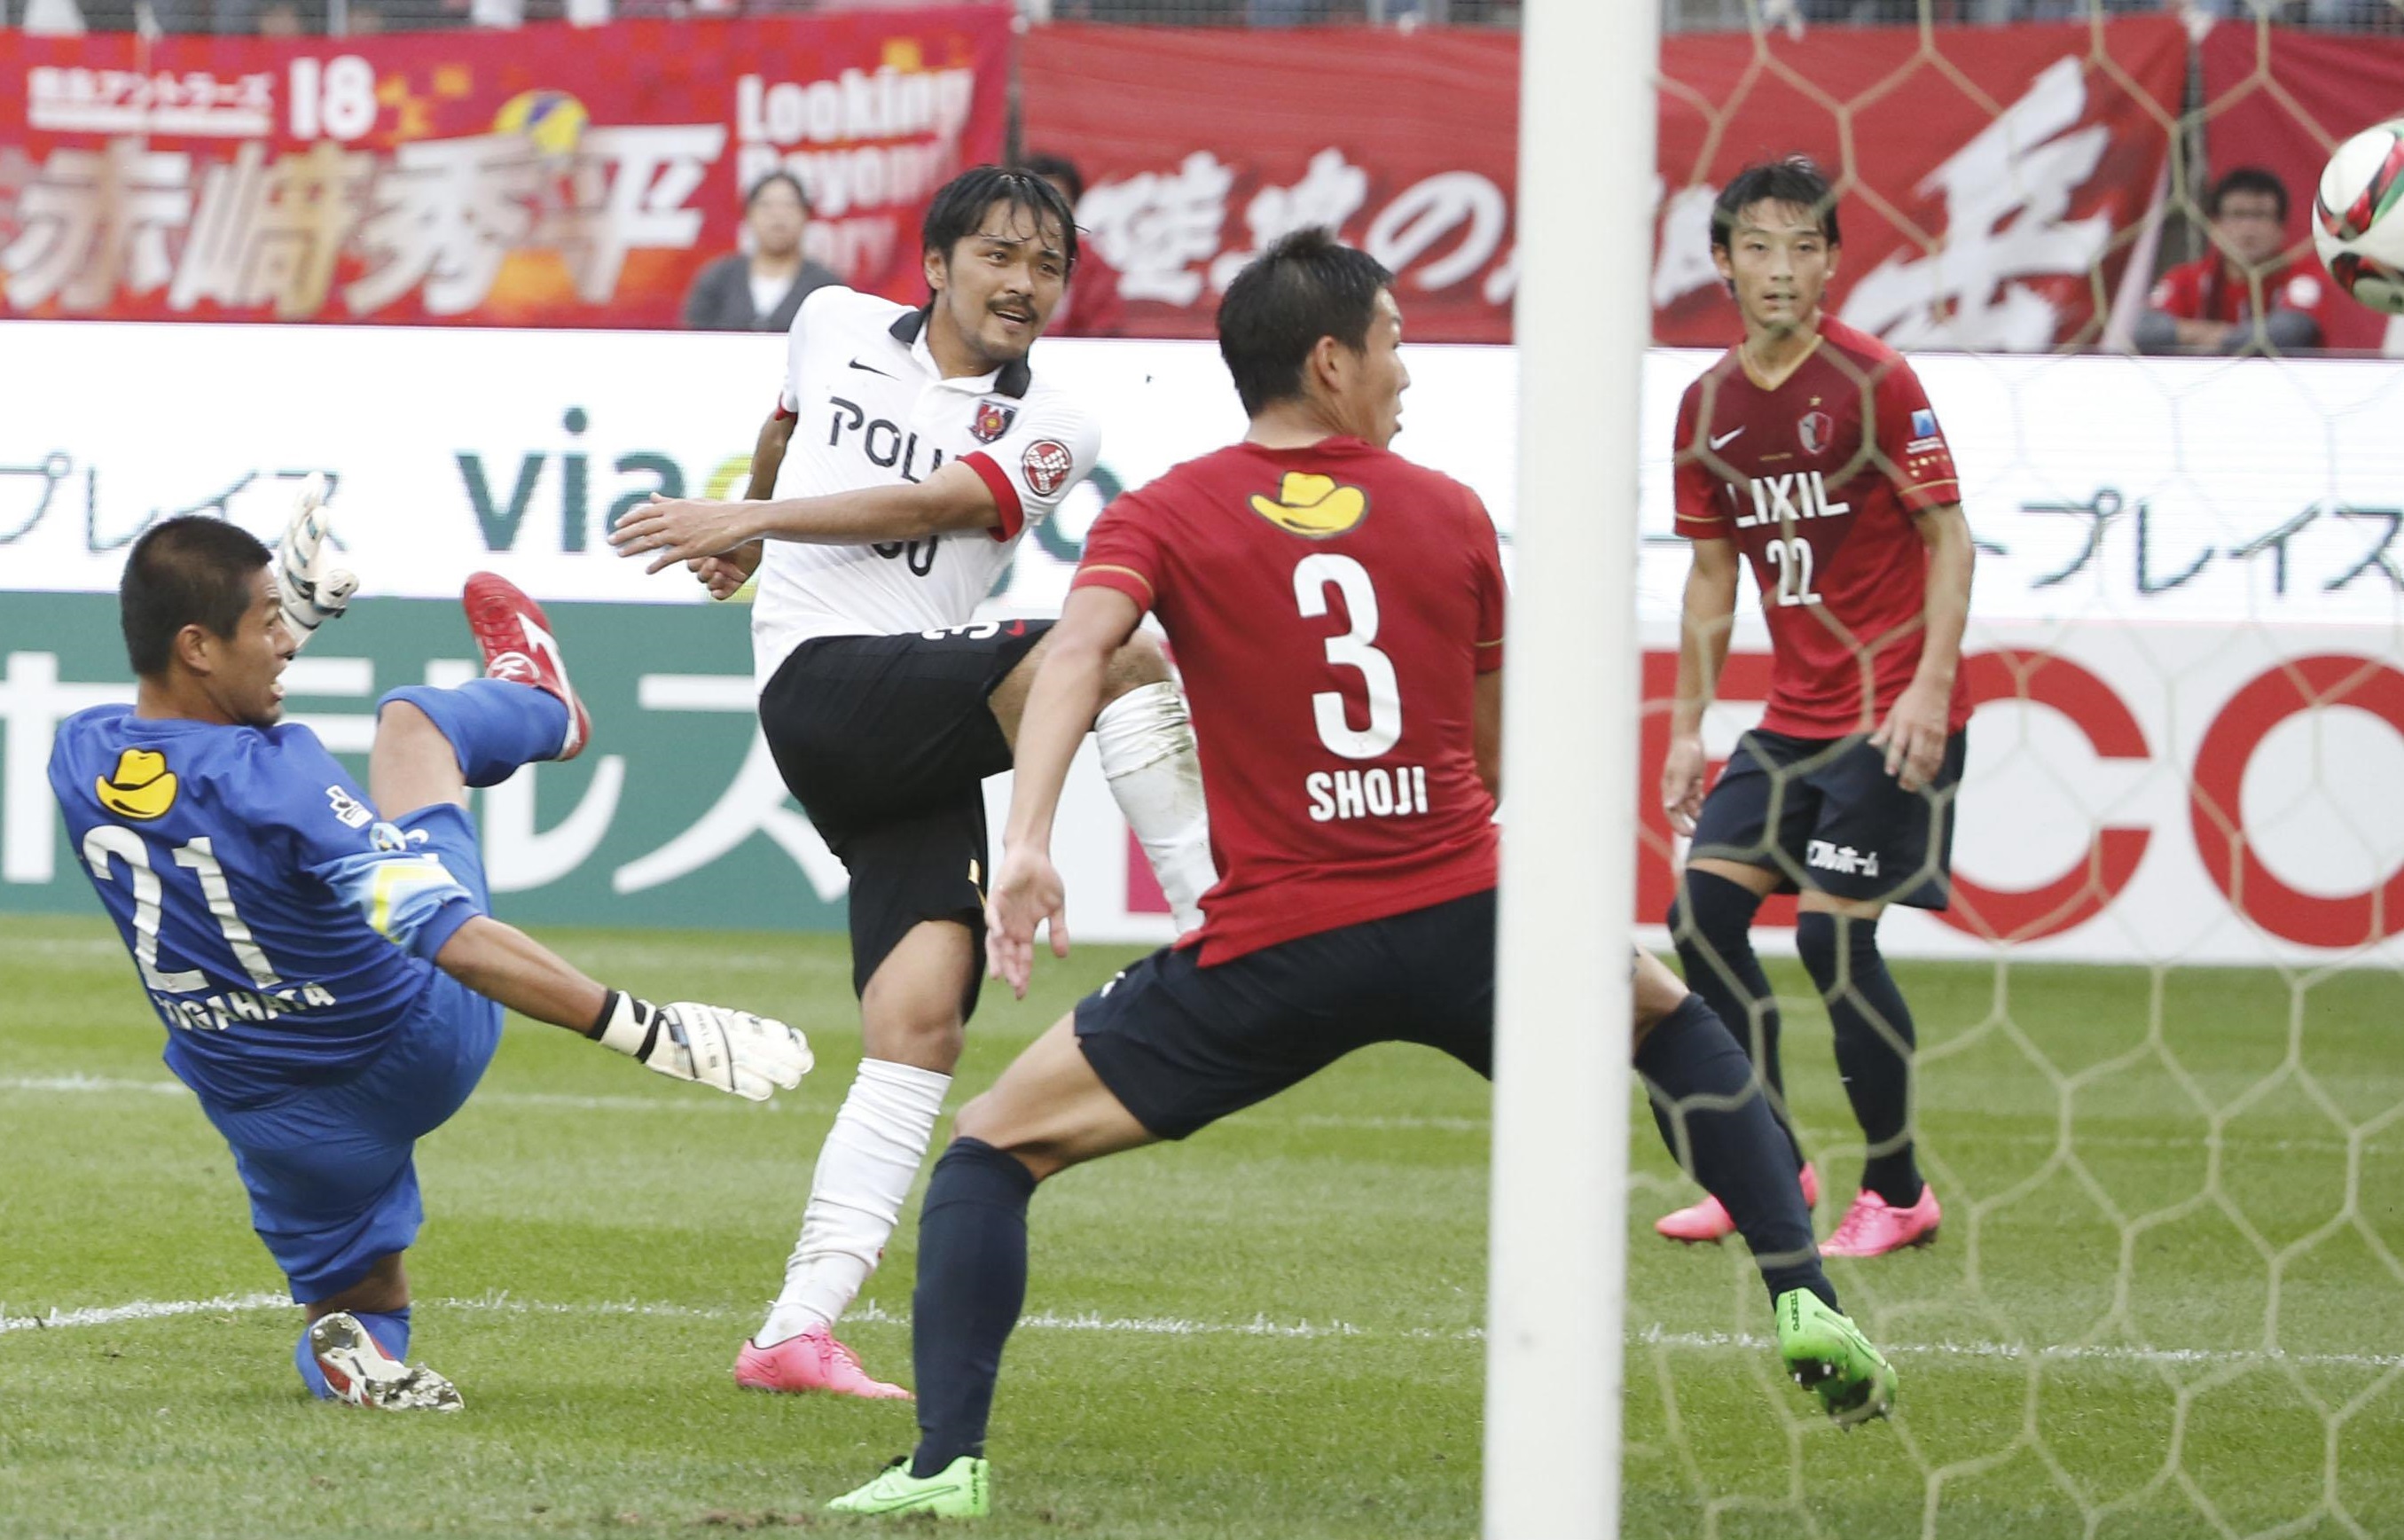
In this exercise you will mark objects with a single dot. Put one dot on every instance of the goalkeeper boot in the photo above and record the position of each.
(1874, 1226)
(814, 1361)
(963, 1490)
(1828, 1355)
(359, 1371)
(1708, 1221)
(311, 588)
(517, 642)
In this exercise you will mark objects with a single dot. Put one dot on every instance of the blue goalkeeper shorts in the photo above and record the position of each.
(329, 1168)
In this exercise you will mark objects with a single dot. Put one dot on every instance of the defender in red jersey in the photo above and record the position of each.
(1337, 612)
(1810, 453)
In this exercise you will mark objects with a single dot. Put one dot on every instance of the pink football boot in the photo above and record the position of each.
(1708, 1221)
(1874, 1226)
(814, 1361)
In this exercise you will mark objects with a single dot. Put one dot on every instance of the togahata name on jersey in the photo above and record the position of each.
(220, 1012)
(1374, 793)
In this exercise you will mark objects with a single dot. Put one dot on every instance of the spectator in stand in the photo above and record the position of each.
(2078, 10)
(1090, 307)
(2208, 305)
(761, 290)
(284, 18)
(1285, 13)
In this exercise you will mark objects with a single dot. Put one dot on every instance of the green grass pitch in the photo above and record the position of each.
(2167, 1301)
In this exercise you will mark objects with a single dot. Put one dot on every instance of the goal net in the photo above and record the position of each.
(2158, 1077)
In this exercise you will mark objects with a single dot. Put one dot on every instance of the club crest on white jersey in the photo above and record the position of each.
(871, 408)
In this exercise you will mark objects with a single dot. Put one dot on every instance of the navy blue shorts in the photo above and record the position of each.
(1183, 1045)
(329, 1168)
(1823, 814)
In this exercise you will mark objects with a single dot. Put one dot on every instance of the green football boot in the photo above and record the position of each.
(963, 1490)
(1828, 1355)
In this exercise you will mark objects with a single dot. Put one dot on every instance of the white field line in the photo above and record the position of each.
(67, 946)
(1399, 1123)
(92, 1085)
(1259, 1325)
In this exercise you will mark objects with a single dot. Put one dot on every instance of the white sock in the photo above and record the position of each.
(871, 1157)
(1147, 748)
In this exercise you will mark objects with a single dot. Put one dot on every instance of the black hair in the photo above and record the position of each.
(962, 204)
(1795, 179)
(1056, 168)
(2246, 179)
(771, 180)
(188, 571)
(1305, 286)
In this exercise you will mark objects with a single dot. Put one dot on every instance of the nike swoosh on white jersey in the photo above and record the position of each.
(1726, 438)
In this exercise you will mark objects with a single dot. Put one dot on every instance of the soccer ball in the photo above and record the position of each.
(2358, 216)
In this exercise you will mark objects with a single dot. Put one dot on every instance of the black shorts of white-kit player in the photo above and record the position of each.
(887, 741)
(1823, 814)
(1183, 1045)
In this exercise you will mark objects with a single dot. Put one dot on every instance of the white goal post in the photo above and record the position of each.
(1558, 1259)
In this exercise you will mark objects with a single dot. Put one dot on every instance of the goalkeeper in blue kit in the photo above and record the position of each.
(324, 957)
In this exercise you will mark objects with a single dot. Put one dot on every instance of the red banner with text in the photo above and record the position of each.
(2283, 99)
(548, 176)
(1984, 191)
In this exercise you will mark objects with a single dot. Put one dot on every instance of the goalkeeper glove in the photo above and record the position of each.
(314, 590)
(736, 1051)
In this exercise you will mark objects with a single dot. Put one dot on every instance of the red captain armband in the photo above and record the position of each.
(1010, 515)
(784, 413)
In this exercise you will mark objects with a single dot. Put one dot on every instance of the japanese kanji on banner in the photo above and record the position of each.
(552, 175)
(1985, 197)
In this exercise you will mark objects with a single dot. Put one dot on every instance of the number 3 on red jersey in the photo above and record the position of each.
(1313, 575)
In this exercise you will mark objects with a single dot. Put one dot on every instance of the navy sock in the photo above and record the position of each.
(494, 725)
(1711, 923)
(1718, 1125)
(1875, 1040)
(389, 1328)
(972, 1284)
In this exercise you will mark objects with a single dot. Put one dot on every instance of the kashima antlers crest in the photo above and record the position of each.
(993, 420)
(1817, 430)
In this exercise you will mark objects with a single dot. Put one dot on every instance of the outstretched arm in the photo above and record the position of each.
(724, 576)
(1059, 712)
(672, 530)
(747, 1055)
(503, 962)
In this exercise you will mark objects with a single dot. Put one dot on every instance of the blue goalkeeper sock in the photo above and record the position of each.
(1714, 1117)
(493, 724)
(390, 1330)
(971, 1284)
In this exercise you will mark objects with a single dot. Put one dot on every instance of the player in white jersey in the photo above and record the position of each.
(908, 451)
